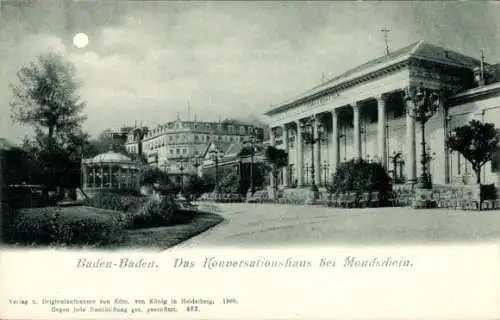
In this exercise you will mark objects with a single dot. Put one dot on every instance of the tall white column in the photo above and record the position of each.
(411, 164)
(381, 131)
(110, 177)
(119, 177)
(317, 151)
(335, 142)
(272, 142)
(93, 176)
(446, 155)
(300, 156)
(356, 131)
(285, 147)
(102, 176)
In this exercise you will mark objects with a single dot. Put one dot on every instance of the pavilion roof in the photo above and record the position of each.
(110, 157)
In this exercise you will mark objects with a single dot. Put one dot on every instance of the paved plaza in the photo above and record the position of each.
(276, 225)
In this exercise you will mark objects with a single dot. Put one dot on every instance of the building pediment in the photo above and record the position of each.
(393, 62)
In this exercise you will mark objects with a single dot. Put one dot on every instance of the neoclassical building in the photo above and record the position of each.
(362, 113)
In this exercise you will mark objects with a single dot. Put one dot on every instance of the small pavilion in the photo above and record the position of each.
(110, 170)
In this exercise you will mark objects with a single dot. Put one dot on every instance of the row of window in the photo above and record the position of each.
(153, 145)
(177, 151)
(232, 129)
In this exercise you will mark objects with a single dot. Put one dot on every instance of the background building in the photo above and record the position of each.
(178, 147)
(362, 114)
(117, 133)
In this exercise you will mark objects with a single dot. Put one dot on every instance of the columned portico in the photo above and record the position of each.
(369, 115)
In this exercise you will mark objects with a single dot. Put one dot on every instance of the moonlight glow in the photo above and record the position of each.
(80, 40)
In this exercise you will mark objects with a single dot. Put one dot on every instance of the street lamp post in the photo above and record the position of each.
(181, 166)
(307, 130)
(196, 164)
(343, 136)
(422, 105)
(325, 170)
(251, 141)
(215, 156)
(306, 169)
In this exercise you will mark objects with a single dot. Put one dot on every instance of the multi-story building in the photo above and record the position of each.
(117, 132)
(177, 146)
(362, 113)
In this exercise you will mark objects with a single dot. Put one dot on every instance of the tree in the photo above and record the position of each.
(104, 144)
(196, 186)
(477, 142)
(46, 96)
(277, 159)
(139, 134)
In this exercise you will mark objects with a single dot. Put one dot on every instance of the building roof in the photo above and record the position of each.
(420, 50)
(234, 149)
(201, 149)
(111, 157)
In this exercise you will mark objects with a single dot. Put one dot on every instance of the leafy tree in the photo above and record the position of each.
(229, 184)
(359, 176)
(139, 134)
(247, 150)
(46, 96)
(277, 159)
(104, 144)
(196, 186)
(152, 176)
(477, 142)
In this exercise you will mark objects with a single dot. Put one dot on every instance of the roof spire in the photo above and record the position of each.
(386, 31)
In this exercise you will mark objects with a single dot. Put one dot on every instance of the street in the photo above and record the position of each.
(271, 224)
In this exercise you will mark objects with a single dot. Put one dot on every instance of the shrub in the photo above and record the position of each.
(360, 176)
(139, 211)
(229, 184)
(157, 211)
(50, 228)
(7, 219)
(115, 201)
(195, 187)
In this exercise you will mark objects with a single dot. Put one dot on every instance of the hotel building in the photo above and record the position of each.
(185, 142)
(362, 114)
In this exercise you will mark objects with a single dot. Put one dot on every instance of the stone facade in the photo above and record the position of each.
(175, 142)
(363, 114)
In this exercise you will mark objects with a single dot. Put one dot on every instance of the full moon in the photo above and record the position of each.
(80, 40)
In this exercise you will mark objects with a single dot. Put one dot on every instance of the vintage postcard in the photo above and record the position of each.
(249, 160)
